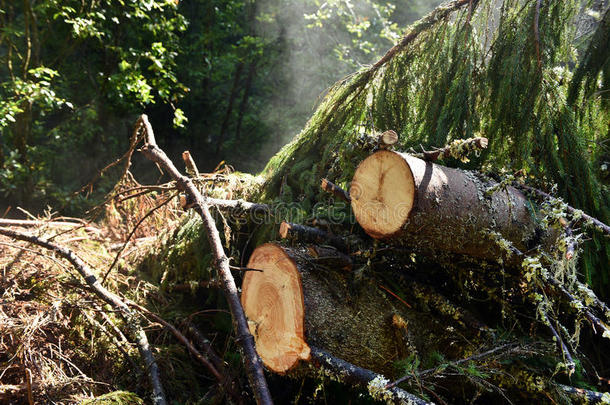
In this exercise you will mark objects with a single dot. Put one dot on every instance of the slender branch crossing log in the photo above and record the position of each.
(431, 207)
(329, 257)
(598, 224)
(240, 206)
(253, 364)
(580, 395)
(294, 303)
(307, 234)
(206, 363)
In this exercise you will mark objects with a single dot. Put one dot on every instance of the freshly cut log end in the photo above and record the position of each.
(273, 303)
(387, 139)
(383, 194)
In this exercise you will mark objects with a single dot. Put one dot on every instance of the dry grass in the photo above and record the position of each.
(51, 331)
(39, 358)
(56, 346)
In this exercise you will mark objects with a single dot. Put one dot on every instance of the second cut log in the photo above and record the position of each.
(294, 304)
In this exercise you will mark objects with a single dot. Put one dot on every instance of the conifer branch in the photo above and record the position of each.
(436, 15)
(598, 224)
(537, 36)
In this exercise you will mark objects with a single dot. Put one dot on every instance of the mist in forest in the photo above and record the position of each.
(320, 46)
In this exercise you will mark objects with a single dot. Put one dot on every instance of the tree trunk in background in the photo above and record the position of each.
(244, 100)
(225, 122)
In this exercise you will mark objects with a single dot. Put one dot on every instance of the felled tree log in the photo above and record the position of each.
(432, 207)
(294, 304)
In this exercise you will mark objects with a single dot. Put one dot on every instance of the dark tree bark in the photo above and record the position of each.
(243, 105)
(224, 127)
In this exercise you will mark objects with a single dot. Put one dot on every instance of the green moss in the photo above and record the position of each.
(115, 398)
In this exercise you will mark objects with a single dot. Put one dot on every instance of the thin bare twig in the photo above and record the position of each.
(133, 142)
(133, 231)
(238, 268)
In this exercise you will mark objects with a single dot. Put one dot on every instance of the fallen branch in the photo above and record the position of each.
(181, 338)
(562, 347)
(27, 223)
(574, 302)
(599, 224)
(457, 149)
(375, 383)
(110, 298)
(205, 345)
(307, 234)
(254, 367)
(585, 396)
(113, 338)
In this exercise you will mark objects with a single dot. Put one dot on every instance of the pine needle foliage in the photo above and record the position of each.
(507, 70)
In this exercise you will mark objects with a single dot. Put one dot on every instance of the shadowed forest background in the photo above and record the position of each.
(228, 80)
(273, 98)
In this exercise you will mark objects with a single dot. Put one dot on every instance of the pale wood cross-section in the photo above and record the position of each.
(273, 302)
(383, 193)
